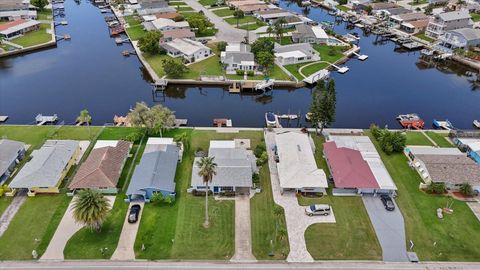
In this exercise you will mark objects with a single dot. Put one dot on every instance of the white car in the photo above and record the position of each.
(318, 210)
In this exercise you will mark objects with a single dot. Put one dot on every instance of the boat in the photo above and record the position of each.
(288, 116)
(270, 119)
(411, 120)
(447, 125)
(355, 35)
(222, 122)
(332, 13)
(104, 10)
(308, 116)
(476, 123)
(306, 3)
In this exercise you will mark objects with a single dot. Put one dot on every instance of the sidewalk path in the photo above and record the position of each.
(65, 230)
(11, 210)
(243, 231)
(124, 249)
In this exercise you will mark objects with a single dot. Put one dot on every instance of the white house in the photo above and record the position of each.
(448, 21)
(162, 24)
(309, 34)
(190, 50)
(295, 53)
(458, 39)
(238, 56)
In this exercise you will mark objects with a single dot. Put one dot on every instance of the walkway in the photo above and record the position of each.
(226, 32)
(65, 230)
(313, 63)
(243, 231)
(124, 249)
(389, 228)
(297, 221)
(11, 210)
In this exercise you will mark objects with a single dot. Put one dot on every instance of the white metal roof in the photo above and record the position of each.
(294, 54)
(319, 32)
(370, 155)
(105, 143)
(430, 150)
(162, 22)
(473, 143)
(157, 140)
(185, 46)
(297, 167)
(19, 27)
(222, 144)
(149, 18)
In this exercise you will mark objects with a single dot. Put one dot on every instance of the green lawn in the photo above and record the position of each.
(453, 238)
(4, 203)
(184, 8)
(224, 12)
(252, 26)
(155, 61)
(426, 38)
(207, 2)
(246, 19)
(176, 231)
(136, 32)
(342, 8)
(307, 71)
(417, 138)
(330, 54)
(33, 226)
(293, 68)
(207, 32)
(210, 66)
(44, 15)
(418, 2)
(440, 139)
(278, 74)
(35, 37)
(176, 3)
(475, 17)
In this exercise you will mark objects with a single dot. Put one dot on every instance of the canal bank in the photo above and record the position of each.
(90, 72)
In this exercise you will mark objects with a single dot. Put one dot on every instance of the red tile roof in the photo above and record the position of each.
(5, 26)
(348, 168)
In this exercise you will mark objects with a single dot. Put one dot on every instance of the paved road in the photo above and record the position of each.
(124, 249)
(243, 230)
(390, 229)
(226, 32)
(65, 230)
(297, 221)
(11, 210)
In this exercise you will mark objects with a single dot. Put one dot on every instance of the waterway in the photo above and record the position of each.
(90, 72)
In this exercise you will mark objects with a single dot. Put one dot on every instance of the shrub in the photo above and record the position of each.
(256, 178)
(221, 46)
(262, 159)
(157, 197)
(342, 2)
(133, 137)
(376, 132)
(437, 188)
(169, 200)
(390, 142)
(250, 73)
(466, 189)
(179, 18)
(228, 193)
(240, 72)
(200, 192)
(259, 149)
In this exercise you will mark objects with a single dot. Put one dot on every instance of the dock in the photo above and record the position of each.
(413, 45)
(319, 75)
(180, 122)
(361, 57)
(45, 119)
(3, 118)
(222, 122)
(341, 70)
(234, 88)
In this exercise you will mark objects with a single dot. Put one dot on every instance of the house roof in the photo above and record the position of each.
(46, 167)
(156, 169)
(148, 11)
(178, 33)
(185, 46)
(304, 30)
(297, 167)
(102, 168)
(161, 23)
(473, 143)
(13, 4)
(469, 34)
(18, 13)
(271, 11)
(9, 153)
(237, 57)
(244, 2)
(454, 15)
(407, 17)
(420, 24)
(252, 7)
(167, 15)
(456, 169)
(397, 11)
(348, 168)
(17, 25)
(275, 15)
(429, 150)
(382, 5)
(293, 50)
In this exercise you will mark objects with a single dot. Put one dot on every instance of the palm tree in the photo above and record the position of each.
(279, 27)
(269, 30)
(85, 117)
(183, 138)
(208, 168)
(90, 208)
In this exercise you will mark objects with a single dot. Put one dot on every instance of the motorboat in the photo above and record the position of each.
(270, 119)
(476, 123)
(445, 124)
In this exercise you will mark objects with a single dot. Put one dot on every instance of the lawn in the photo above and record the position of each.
(418, 2)
(4, 203)
(207, 2)
(417, 138)
(37, 37)
(224, 12)
(184, 8)
(182, 235)
(426, 38)
(136, 32)
(33, 226)
(208, 32)
(293, 68)
(176, 3)
(44, 15)
(156, 62)
(277, 73)
(210, 66)
(440, 139)
(330, 54)
(309, 70)
(453, 238)
(343, 8)
(475, 17)
(132, 20)
(246, 19)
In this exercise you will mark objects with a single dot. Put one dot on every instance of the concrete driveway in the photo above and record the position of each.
(389, 227)
(124, 249)
(297, 221)
(243, 231)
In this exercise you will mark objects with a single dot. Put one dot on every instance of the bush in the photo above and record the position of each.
(342, 2)
(238, 14)
(133, 137)
(221, 46)
(200, 192)
(169, 200)
(240, 72)
(259, 149)
(262, 159)
(390, 142)
(179, 18)
(228, 193)
(376, 132)
(256, 178)
(466, 189)
(250, 73)
(437, 188)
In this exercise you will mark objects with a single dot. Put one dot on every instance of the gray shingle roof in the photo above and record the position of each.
(469, 34)
(451, 168)
(47, 164)
(8, 153)
(238, 57)
(156, 170)
(454, 15)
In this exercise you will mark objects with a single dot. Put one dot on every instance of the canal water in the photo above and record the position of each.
(90, 72)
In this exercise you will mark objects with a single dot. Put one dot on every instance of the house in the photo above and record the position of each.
(176, 33)
(271, 15)
(235, 168)
(293, 20)
(448, 21)
(49, 165)
(297, 169)
(13, 29)
(472, 146)
(309, 34)
(338, 157)
(437, 2)
(392, 11)
(162, 24)
(11, 10)
(238, 4)
(156, 170)
(237, 56)
(398, 20)
(167, 15)
(444, 165)
(463, 38)
(103, 167)
(11, 152)
(190, 50)
(150, 11)
(414, 27)
(295, 53)
(250, 9)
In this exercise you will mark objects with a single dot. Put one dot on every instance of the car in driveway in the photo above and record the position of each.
(134, 213)
(387, 202)
(318, 210)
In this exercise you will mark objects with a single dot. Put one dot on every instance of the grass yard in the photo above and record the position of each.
(330, 54)
(417, 138)
(475, 17)
(293, 69)
(277, 73)
(136, 32)
(207, 32)
(207, 2)
(210, 66)
(343, 8)
(184, 8)
(440, 139)
(425, 37)
(456, 236)
(4, 203)
(418, 2)
(252, 26)
(33, 38)
(309, 70)
(156, 62)
(223, 12)
(246, 19)
(176, 3)
(33, 226)
(44, 15)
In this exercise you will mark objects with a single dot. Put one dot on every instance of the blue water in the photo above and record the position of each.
(90, 72)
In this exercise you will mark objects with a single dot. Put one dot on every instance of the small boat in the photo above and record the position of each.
(288, 116)
(104, 10)
(306, 3)
(355, 35)
(332, 13)
(222, 122)
(270, 119)
(476, 123)
(447, 125)
(411, 120)
(308, 116)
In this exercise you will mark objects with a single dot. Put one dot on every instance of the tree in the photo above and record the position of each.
(173, 68)
(150, 42)
(198, 22)
(179, 18)
(262, 44)
(208, 168)
(85, 117)
(466, 189)
(429, 9)
(269, 30)
(390, 142)
(90, 208)
(323, 107)
(153, 119)
(265, 59)
(222, 45)
(238, 14)
(278, 26)
(184, 139)
(40, 4)
(369, 10)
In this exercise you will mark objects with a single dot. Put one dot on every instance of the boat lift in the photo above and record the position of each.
(263, 85)
(341, 70)
(361, 57)
(44, 119)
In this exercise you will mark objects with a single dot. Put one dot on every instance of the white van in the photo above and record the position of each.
(318, 210)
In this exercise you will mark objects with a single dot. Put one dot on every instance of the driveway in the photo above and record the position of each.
(11, 210)
(389, 227)
(297, 221)
(65, 230)
(243, 231)
(226, 32)
(124, 249)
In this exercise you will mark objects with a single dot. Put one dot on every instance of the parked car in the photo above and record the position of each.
(387, 202)
(318, 210)
(134, 212)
